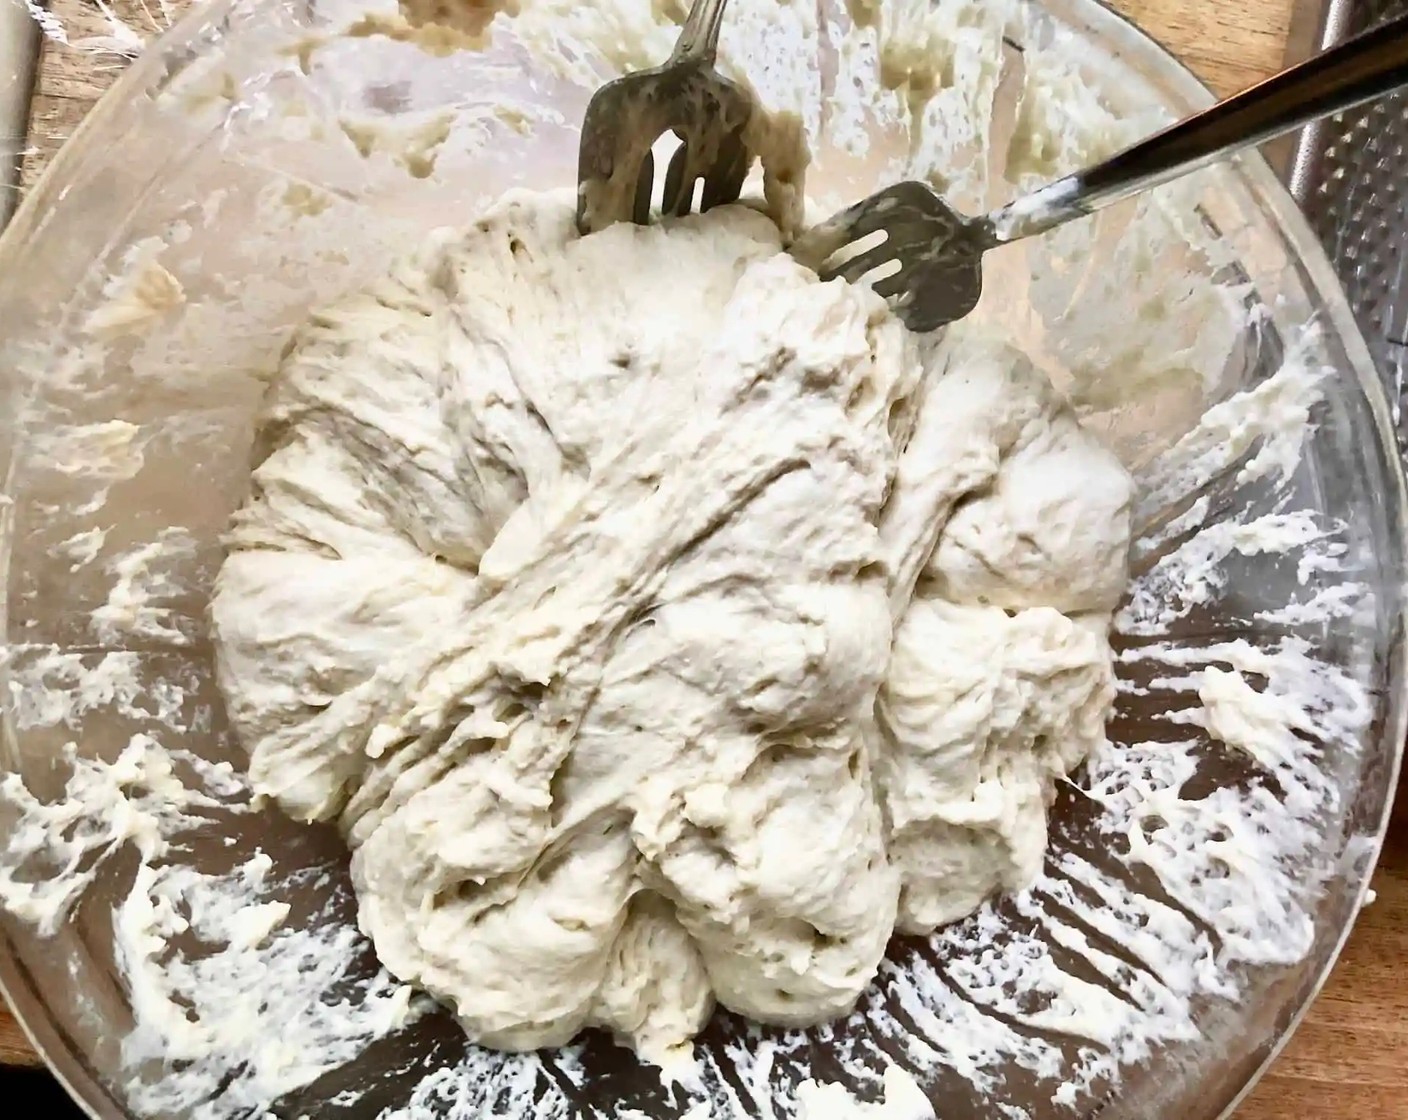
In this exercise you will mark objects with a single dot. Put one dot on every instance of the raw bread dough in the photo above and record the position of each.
(661, 624)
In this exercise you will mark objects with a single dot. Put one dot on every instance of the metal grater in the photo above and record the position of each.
(1350, 174)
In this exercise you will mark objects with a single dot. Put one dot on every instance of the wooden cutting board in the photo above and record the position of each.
(1350, 1057)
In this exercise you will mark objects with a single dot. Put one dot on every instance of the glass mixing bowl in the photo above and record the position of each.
(175, 950)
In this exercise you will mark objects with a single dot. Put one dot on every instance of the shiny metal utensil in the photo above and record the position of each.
(687, 96)
(935, 253)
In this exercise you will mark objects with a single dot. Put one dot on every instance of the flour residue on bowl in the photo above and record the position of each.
(1194, 841)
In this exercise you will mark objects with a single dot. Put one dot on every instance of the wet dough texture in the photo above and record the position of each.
(660, 624)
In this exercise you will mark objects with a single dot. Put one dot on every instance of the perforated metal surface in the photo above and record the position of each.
(1352, 179)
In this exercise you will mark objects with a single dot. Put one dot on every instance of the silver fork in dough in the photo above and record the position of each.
(687, 96)
(940, 251)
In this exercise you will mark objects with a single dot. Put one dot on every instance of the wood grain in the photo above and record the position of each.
(1350, 1057)
(1228, 45)
(14, 1047)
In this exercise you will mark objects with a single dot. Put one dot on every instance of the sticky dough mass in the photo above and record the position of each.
(661, 624)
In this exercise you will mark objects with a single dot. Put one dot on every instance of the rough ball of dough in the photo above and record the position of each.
(568, 585)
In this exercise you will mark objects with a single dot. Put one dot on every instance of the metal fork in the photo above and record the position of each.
(939, 251)
(687, 96)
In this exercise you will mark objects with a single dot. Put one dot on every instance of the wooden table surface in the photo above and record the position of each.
(1350, 1057)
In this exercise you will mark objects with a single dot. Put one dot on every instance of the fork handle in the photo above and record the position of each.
(700, 37)
(1358, 70)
